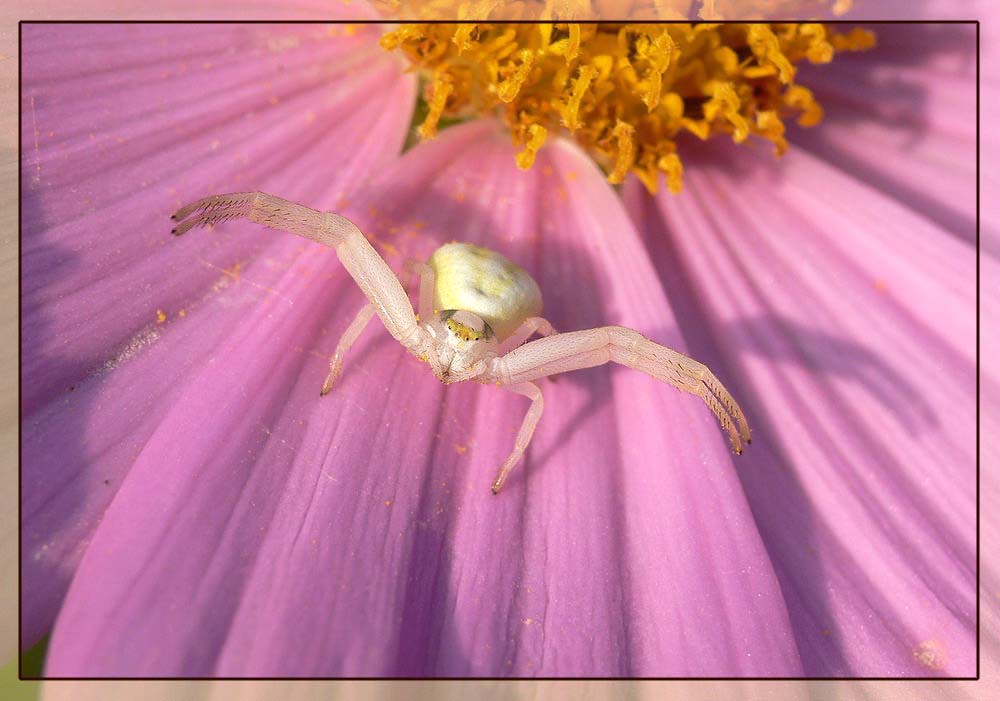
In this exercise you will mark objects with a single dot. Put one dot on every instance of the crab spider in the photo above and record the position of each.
(488, 308)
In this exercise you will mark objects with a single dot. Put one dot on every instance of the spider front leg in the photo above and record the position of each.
(533, 324)
(375, 278)
(531, 391)
(425, 299)
(425, 273)
(347, 340)
(584, 349)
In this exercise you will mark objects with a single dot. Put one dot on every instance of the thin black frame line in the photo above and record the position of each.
(978, 394)
(20, 310)
(934, 680)
(396, 20)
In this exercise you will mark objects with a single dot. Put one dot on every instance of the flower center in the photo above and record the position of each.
(624, 91)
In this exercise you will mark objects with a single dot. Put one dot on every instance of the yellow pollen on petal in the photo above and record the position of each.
(624, 92)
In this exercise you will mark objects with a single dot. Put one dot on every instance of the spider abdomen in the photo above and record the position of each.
(481, 281)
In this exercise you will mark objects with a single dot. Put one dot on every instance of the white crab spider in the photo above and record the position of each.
(485, 301)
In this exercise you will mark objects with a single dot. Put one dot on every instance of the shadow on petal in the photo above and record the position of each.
(861, 478)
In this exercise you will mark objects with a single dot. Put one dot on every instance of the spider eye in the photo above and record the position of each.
(466, 326)
(464, 332)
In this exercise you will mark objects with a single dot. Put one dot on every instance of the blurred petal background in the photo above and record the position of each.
(933, 203)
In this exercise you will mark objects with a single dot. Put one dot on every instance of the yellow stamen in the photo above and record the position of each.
(572, 110)
(536, 137)
(770, 125)
(801, 99)
(855, 40)
(569, 47)
(624, 91)
(672, 166)
(509, 86)
(441, 88)
(573, 43)
(657, 53)
(820, 50)
(463, 37)
(767, 49)
(625, 136)
(725, 104)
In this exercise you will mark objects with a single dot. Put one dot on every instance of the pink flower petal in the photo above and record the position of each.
(899, 114)
(848, 323)
(263, 530)
(118, 315)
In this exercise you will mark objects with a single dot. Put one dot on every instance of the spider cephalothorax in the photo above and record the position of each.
(490, 308)
(463, 342)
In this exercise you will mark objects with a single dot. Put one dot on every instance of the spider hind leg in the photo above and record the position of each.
(686, 374)
(213, 210)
